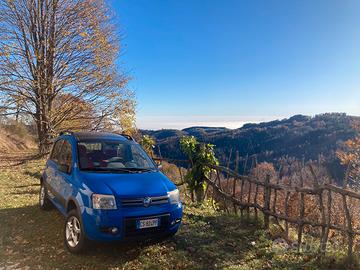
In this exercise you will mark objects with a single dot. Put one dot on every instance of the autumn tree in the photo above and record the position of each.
(78, 113)
(350, 156)
(57, 65)
(123, 118)
(262, 170)
(148, 144)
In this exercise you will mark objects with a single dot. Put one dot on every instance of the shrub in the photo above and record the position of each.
(200, 155)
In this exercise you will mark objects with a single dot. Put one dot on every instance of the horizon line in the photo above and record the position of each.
(228, 122)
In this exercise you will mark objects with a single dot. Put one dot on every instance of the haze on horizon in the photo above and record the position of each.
(226, 63)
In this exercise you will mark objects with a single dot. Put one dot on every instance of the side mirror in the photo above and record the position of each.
(64, 168)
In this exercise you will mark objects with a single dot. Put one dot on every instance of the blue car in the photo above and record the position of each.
(108, 189)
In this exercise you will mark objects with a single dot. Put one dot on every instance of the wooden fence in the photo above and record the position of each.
(269, 197)
(249, 193)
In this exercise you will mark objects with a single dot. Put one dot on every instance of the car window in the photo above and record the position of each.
(65, 154)
(56, 151)
(104, 154)
(139, 157)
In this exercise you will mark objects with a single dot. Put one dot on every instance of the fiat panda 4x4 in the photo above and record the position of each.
(108, 189)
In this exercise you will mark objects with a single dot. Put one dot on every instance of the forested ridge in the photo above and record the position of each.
(300, 137)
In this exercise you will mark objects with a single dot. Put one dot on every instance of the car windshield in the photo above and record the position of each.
(102, 155)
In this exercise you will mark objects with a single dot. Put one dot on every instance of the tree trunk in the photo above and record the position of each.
(199, 193)
(43, 137)
(43, 128)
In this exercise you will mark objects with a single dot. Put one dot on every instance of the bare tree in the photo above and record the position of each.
(55, 51)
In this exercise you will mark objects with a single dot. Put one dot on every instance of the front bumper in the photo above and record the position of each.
(97, 224)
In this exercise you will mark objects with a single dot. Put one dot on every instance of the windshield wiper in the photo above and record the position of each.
(140, 169)
(108, 170)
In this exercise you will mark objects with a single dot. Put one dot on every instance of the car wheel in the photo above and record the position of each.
(44, 201)
(74, 237)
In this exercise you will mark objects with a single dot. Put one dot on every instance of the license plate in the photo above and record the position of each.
(147, 223)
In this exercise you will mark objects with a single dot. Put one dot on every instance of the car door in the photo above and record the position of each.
(65, 172)
(52, 181)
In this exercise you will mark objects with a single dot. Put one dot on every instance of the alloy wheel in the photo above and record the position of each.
(73, 231)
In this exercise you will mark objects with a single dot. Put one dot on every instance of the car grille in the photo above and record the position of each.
(131, 230)
(140, 201)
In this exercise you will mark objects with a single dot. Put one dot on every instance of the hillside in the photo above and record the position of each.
(299, 136)
(12, 141)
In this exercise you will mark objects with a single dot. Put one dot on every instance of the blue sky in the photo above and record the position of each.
(224, 63)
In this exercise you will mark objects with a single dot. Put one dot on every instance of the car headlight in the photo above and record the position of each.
(174, 196)
(101, 201)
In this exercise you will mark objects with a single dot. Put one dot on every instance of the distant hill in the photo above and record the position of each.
(301, 137)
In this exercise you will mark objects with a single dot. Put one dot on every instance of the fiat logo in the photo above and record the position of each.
(147, 201)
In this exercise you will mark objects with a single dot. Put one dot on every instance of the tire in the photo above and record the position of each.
(74, 236)
(44, 201)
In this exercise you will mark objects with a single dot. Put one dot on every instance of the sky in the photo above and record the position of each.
(230, 62)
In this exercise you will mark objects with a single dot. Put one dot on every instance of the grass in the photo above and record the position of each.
(32, 239)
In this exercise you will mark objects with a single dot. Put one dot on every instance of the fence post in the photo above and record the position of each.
(319, 192)
(228, 167)
(235, 179)
(287, 197)
(241, 197)
(249, 200)
(275, 195)
(220, 187)
(302, 213)
(347, 214)
(328, 219)
(255, 201)
(267, 196)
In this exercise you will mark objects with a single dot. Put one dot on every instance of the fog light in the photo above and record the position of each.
(114, 230)
(175, 221)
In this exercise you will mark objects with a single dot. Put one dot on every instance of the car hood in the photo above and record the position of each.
(128, 184)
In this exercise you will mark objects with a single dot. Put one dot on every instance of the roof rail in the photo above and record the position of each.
(66, 132)
(127, 136)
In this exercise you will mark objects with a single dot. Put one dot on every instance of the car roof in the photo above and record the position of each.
(79, 136)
